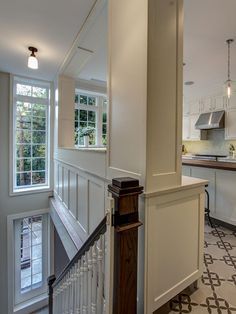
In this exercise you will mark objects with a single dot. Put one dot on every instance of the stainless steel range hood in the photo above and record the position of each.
(211, 120)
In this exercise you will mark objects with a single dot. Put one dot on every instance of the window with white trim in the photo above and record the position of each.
(91, 117)
(31, 257)
(31, 105)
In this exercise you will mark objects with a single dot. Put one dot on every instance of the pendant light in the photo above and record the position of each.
(32, 60)
(229, 83)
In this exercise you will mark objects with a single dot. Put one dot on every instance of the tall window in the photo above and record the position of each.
(31, 257)
(31, 101)
(91, 117)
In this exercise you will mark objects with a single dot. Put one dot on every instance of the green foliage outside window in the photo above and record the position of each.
(30, 136)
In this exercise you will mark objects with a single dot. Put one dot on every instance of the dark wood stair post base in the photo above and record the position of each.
(51, 280)
(125, 192)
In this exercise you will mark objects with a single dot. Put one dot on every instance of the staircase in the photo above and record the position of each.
(102, 276)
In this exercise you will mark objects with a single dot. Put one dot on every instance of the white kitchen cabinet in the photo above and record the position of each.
(231, 103)
(226, 196)
(207, 104)
(186, 171)
(186, 128)
(195, 107)
(219, 103)
(221, 190)
(185, 107)
(230, 124)
(213, 103)
(194, 133)
(207, 174)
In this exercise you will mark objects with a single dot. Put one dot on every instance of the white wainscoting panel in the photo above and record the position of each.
(96, 203)
(83, 209)
(73, 193)
(82, 195)
(66, 187)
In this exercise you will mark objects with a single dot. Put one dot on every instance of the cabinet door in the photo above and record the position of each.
(186, 128)
(231, 103)
(185, 107)
(186, 171)
(207, 174)
(230, 125)
(194, 133)
(218, 103)
(195, 107)
(226, 196)
(207, 105)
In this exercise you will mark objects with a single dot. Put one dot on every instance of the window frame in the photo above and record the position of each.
(13, 188)
(21, 298)
(98, 108)
(38, 300)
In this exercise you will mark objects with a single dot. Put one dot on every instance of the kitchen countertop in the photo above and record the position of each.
(210, 164)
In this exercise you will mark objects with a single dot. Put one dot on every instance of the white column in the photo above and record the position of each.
(145, 91)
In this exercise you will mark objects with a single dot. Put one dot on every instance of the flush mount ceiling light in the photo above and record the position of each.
(229, 83)
(32, 60)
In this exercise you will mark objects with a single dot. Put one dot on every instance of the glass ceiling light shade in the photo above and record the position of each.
(32, 60)
(229, 84)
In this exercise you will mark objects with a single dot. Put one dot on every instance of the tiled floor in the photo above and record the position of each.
(217, 288)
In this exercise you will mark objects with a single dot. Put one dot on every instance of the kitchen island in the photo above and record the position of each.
(222, 185)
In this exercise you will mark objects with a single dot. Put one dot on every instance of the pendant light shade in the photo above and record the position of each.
(229, 85)
(32, 60)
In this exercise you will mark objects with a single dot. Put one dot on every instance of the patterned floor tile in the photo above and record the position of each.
(227, 291)
(216, 293)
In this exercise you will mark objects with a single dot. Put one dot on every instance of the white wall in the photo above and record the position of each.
(15, 204)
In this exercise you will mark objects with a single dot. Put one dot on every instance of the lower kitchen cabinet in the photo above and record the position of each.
(221, 188)
(225, 208)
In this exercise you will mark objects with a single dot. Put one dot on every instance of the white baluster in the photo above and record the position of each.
(78, 285)
(90, 271)
(81, 284)
(94, 279)
(85, 289)
(100, 277)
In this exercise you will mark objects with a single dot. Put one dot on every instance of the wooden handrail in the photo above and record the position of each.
(101, 229)
(124, 226)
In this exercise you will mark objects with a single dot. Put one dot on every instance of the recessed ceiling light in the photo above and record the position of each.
(189, 83)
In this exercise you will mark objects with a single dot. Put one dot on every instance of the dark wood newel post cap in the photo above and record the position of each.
(124, 186)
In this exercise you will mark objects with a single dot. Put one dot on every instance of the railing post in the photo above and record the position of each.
(125, 192)
(51, 280)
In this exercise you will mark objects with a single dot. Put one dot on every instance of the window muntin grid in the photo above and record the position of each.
(31, 134)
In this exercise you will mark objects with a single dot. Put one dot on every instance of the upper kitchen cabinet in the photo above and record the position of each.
(194, 133)
(185, 107)
(231, 103)
(207, 104)
(213, 103)
(230, 124)
(195, 107)
(186, 128)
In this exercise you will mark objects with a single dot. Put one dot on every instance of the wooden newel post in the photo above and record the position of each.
(125, 192)
(51, 280)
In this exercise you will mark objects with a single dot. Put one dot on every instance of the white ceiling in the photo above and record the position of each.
(49, 25)
(207, 25)
(90, 62)
(52, 26)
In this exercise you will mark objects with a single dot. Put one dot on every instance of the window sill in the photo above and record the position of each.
(32, 190)
(89, 149)
(32, 304)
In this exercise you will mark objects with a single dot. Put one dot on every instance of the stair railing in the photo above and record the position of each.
(102, 277)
